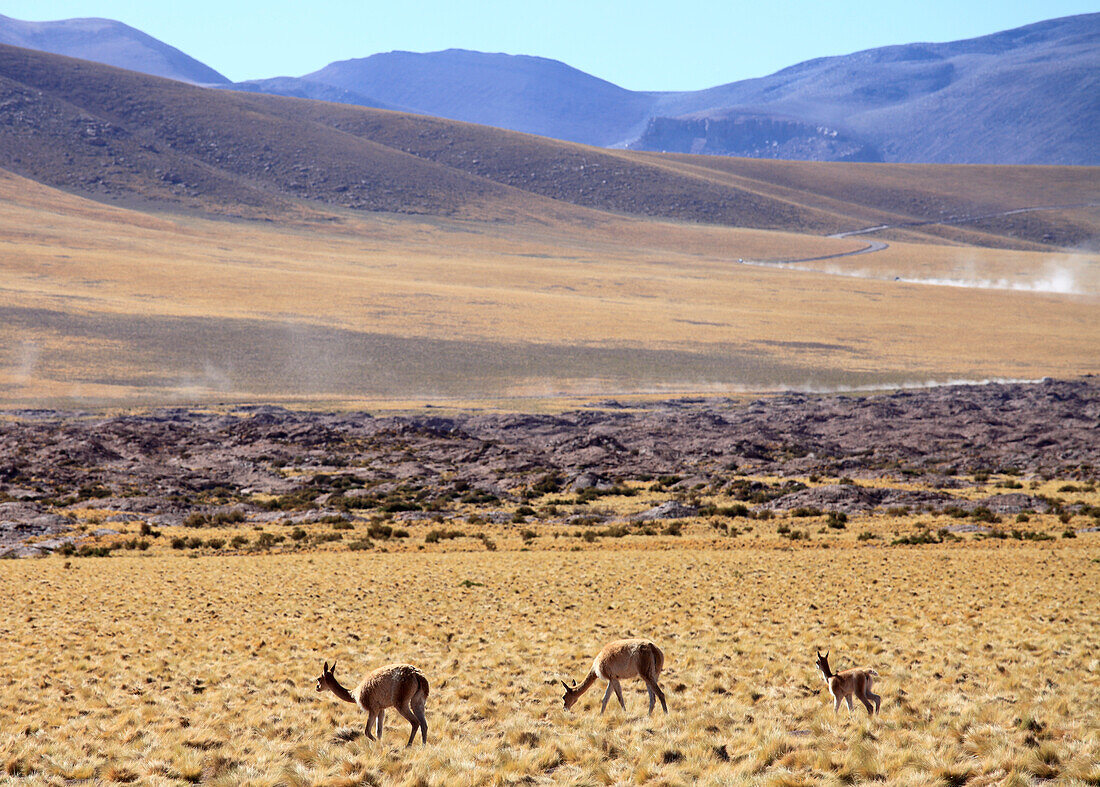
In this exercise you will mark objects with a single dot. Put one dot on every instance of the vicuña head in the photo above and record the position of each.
(843, 685)
(400, 686)
(328, 678)
(620, 660)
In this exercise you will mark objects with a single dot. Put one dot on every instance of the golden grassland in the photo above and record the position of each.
(164, 670)
(109, 306)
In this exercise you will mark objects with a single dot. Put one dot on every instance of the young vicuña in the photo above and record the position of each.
(842, 685)
(619, 660)
(400, 686)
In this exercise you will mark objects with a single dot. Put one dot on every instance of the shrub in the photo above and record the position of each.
(923, 537)
(267, 540)
(867, 535)
(227, 517)
(361, 544)
(435, 536)
(380, 531)
(194, 520)
(673, 528)
(238, 541)
(297, 534)
(551, 482)
(983, 514)
(1069, 534)
(216, 543)
(837, 520)
(179, 542)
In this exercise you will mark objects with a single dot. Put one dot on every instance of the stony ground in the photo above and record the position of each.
(847, 454)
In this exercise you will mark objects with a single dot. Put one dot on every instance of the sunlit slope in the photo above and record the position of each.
(107, 305)
(123, 136)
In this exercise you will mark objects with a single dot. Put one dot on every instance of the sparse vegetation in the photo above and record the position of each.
(726, 724)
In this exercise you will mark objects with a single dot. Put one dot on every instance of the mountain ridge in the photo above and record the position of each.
(118, 135)
(109, 42)
(1028, 95)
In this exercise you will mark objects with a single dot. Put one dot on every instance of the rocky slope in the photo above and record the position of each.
(168, 464)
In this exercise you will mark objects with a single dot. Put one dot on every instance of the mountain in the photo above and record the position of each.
(120, 136)
(531, 94)
(110, 42)
(294, 87)
(1024, 96)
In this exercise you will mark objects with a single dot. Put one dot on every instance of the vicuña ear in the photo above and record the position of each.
(333, 670)
(324, 670)
(566, 685)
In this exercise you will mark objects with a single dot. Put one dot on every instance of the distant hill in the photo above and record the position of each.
(110, 42)
(294, 87)
(517, 92)
(122, 136)
(1024, 96)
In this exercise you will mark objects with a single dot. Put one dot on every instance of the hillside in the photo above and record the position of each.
(110, 42)
(123, 136)
(1022, 96)
(532, 94)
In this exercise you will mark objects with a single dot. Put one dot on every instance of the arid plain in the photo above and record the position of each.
(573, 362)
(112, 307)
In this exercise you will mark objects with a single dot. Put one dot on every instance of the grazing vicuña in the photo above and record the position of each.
(623, 658)
(400, 686)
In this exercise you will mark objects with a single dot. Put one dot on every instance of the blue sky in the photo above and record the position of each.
(637, 44)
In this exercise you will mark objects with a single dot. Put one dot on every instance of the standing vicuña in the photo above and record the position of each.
(622, 659)
(842, 685)
(398, 686)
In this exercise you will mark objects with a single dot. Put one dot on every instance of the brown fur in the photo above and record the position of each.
(399, 686)
(851, 682)
(621, 660)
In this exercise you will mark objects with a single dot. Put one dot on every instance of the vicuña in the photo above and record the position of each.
(400, 686)
(621, 660)
(842, 685)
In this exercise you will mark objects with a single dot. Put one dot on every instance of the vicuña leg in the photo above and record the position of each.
(381, 716)
(411, 718)
(618, 691)
(418, 711)
(654, 689)
(606, 697)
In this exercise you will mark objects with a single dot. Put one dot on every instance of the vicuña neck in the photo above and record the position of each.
(335, 687)
(588, 681)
